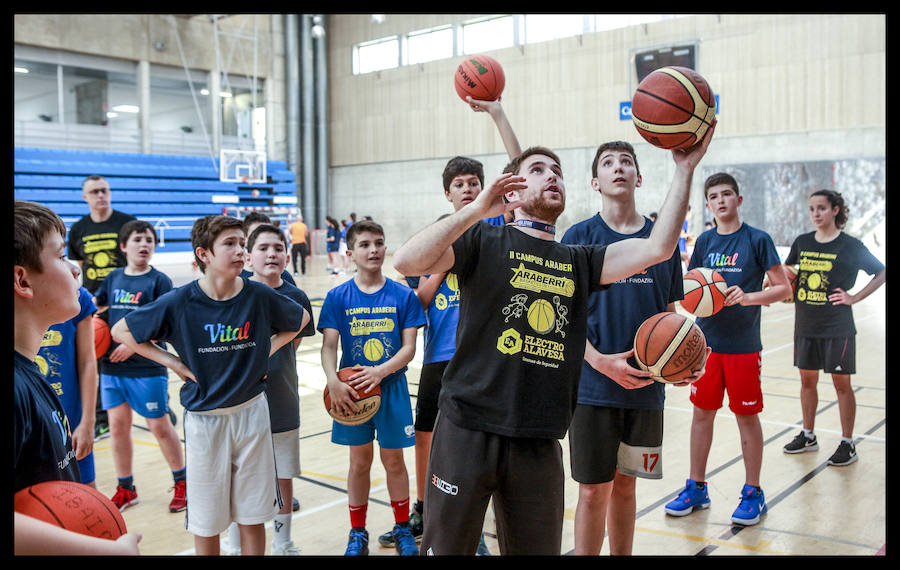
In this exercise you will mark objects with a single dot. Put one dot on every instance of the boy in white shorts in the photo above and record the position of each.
(222, 328)
(268, 257)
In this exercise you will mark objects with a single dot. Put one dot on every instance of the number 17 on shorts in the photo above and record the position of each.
(639, 461)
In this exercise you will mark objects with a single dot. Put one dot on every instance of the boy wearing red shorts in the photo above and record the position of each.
(743, 255)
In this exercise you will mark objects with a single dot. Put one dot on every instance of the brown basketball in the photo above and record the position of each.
(479, 76)
(673, 107)
(368, 403)
(670, 346)
(72, 506)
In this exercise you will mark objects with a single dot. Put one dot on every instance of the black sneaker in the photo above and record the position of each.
(101, 431)
(802, 443)
(845, 454)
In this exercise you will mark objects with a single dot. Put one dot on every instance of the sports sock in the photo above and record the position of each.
(127, 482)
(179, 475)
(847, 439)
(401, 510)
(419, 507)
(809, 433)
(281, 527)
(358, 515)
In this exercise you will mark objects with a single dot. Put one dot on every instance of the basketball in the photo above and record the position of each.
(480, 77)
(102, 338)
(673, 107)
(541, 316)
(368, 403)
(373, 350)
(704, 292)
(72, 506)
(670, 346)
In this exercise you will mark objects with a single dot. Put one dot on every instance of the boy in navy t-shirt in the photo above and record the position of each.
(69, 364)
(45, 291)
(128, 381)
(616, 432)
(221, 327)
(375, 320)
(743, 255)
(268, 251)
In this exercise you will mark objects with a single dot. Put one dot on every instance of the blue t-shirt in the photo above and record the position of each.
(443, 318)
(41, 433)
(742, 258)
(57, 358)
(615, 314)
(123, 294)
(371, 324)
(281, 384)
(224, 343)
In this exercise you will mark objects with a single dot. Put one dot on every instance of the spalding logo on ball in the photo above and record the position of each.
(368, 403)
(72, 506)
(673, 107)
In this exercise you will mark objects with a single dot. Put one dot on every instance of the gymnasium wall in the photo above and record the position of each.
(801, 97)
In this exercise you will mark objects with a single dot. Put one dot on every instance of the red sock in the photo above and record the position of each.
(358, 515)
(401, 510)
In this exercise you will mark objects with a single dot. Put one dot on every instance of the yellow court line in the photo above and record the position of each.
(764, 546)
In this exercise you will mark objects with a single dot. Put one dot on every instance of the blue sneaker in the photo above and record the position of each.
(753, 505)
(482, 548)
(692, 497)
(358, 544)
(404, 541)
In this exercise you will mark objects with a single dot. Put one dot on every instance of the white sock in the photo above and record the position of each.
(847, 439)
(234, 536)
(282, 528)
(809, 433)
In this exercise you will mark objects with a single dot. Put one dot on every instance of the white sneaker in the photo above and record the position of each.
(285, 549)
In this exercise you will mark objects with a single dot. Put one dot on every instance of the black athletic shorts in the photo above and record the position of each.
(427, 396)
(603, 440)
(831, 355)
(468, 468)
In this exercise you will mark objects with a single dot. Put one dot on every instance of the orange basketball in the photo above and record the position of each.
(480, 77)
(670, 346)
(704, 291)
(102, 338)
(673, 107)
(368, 403)
(72, 506)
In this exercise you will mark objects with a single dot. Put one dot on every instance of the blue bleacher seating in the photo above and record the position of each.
(170, 191)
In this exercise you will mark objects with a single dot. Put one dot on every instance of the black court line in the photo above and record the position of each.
(339, 489)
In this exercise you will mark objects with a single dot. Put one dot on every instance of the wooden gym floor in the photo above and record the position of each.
(814, 509)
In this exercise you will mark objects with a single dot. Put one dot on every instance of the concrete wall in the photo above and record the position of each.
(791, 87)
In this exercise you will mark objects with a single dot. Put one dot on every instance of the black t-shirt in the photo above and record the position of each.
(824, 267)
(521, 334)
(42, 436)
(97, 245)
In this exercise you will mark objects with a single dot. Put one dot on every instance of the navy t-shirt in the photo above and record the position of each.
(742, 258)
(281, 384)
(615, 314)
(41, 434)
(224, 343)
(285, 276)
(124, 293)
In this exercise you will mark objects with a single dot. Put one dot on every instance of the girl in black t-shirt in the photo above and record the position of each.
(824, 332)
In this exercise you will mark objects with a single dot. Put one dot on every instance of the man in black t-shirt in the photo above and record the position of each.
(94, 244)
(510, 389)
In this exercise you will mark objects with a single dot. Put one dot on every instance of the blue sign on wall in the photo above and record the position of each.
(625, 109)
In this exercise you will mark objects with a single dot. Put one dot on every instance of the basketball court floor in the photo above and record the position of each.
(814, 509)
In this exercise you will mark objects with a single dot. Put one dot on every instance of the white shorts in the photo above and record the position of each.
(287, 453)
(230, 467)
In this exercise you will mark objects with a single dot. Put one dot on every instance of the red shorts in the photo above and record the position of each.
(739, 375)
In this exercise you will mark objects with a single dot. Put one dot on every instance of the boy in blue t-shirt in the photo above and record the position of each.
(221, 327)
(375, 320)
(68, 362)
(45, 291)
(128, 381)
(616, 432)
(743, 255)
